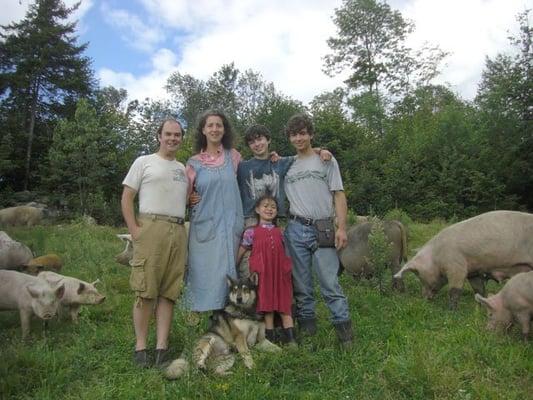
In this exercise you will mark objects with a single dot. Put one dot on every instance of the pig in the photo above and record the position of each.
(48, 262)
(30, 295)
(13, 254)
(21, 216)
(355, 255)
(514, 300)
(125, 257)
(77, 293)
(493, 244)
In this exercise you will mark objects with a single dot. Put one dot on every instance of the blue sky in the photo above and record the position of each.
(137, 44)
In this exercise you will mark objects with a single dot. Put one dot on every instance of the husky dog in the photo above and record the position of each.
(237, 326)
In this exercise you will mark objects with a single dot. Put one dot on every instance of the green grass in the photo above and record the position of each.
(406, 347)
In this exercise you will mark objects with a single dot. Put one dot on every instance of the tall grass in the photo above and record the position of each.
(405, 348)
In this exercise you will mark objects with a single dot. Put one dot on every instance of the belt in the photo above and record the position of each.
(302, 220)
(167, 218)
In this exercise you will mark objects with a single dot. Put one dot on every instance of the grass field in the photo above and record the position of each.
(406, 347)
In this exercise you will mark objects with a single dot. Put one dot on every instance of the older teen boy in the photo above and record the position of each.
(259, 176)
(315, 193)
(159, 236)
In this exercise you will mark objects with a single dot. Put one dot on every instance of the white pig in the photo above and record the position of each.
(77, 293)
(29, 295)
(515, 300)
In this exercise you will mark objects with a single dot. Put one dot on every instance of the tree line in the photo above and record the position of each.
(402, 141)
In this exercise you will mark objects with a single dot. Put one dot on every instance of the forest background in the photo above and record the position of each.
(402, 142)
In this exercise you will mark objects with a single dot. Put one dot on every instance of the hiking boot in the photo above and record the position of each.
(162, 358)
(289, 338)
(140, 358)
(345, 334)
(307, 327)
(270, 335)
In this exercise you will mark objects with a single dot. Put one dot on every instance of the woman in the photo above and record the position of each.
(217, 219)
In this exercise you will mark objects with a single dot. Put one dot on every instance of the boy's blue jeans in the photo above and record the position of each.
(301, 243)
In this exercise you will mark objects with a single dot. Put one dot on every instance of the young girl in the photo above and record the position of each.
(269, 260)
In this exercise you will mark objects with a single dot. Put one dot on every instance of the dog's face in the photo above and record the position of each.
(243, 292)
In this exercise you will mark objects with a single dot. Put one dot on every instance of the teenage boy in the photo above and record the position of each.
(315, 193)
(159, 237)
(261, 175)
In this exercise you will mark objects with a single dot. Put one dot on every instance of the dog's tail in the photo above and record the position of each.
(177, 368)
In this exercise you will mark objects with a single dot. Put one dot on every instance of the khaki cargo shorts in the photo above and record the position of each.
(159, 257)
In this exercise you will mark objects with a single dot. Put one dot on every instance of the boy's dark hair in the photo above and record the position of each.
(298, 122)
(256, 131)
(200, 142)
(266, 196)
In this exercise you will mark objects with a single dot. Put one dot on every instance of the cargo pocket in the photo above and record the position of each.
(137, 278)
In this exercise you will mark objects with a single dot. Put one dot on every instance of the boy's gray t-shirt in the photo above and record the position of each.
(309, 184)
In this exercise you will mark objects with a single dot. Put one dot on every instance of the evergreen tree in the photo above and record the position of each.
(42, 74)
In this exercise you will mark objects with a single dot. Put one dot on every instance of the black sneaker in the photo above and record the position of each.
(140, 358)
(162, 358)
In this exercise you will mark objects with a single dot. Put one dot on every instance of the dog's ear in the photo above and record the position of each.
(230, 281)
(254, 278)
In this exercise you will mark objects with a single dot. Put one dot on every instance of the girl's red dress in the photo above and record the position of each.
(274, 267)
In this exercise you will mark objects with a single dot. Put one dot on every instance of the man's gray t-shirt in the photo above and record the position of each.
(309, 184)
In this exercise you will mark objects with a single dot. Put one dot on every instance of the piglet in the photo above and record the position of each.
(77, 293)
(515, 299)
(29, 295)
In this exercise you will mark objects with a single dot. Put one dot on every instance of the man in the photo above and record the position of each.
(315, 193)
(159, 237)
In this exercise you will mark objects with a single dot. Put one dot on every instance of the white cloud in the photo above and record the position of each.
(135, 32)
(146, 86)
(470, 30)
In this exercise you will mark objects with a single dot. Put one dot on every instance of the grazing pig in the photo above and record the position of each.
(21, 216)
(77, 293)
(515, 299)
(13, 254)
(125, 257)
(29, 295)
(48, 262)
(494, 244)
(354, 257)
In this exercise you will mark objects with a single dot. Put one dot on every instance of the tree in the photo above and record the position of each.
(370, 44)
(85, 164)
(505, 99)
(42, 71)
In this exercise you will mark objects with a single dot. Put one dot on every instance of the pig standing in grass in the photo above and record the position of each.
(497, 244)
(77, 293)
(29, 295)
(515, 300)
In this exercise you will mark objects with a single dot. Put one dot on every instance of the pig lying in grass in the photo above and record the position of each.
(29, 295)
(13, 254)
(514, 300)
(77, 293)
(48, 262)
(125, 257)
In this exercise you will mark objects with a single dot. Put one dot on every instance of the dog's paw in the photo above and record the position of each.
(248, 361)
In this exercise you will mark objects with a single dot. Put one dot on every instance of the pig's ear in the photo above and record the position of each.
(34, 291)
(483, 301)
(95, 282)
(81, 287)
(60, 291)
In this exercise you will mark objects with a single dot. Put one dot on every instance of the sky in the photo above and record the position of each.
(137, 44)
